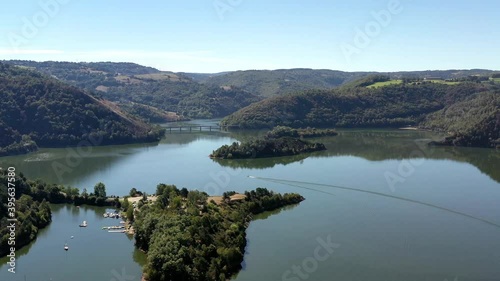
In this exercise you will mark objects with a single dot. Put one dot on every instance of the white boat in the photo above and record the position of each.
(84, 224)
(66, 247)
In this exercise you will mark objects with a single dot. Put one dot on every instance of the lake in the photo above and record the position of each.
(432, 212)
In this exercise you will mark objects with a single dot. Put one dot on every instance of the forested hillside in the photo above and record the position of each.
(270, 83)
(201, 95)
(149, 113)
(167, 91)
(472, 122)
(188, 99)
(31, 214)
(38, 109)
(391, 106)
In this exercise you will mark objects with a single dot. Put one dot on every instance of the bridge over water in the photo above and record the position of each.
(197, 128)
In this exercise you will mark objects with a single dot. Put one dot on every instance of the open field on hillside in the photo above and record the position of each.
(385, 83)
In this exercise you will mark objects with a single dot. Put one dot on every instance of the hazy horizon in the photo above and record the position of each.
(262, 69)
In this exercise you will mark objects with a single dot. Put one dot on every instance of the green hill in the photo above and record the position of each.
(468, 111)
(35, 109)
(472, 122)
(189, 99)
(390, 106)
(270, 83)
(149, 113)
(128, 82)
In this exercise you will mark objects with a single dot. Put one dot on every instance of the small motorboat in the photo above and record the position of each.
(66, 247)
(72, 237)
(84, 224)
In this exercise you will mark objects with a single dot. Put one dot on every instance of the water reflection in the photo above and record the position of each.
(380, 145)
(266, 215)
(63, 165)
(373, 145)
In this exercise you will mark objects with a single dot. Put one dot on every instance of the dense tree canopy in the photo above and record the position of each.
(283, 131)
(390, 106)
(42, 110)
(259, 148)
(32, 214)
(192, 239)
(146, 86)
(468, 110)
(472, 122)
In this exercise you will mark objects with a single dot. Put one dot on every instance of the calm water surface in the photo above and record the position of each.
(378, 238)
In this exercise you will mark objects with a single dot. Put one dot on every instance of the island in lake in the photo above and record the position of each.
(281, 141)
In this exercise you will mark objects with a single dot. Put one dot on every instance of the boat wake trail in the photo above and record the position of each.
(297, 184)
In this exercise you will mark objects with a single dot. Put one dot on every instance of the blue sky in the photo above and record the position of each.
(223, 35)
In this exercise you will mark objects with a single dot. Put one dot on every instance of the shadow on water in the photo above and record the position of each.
(266, 215)
(63, 165)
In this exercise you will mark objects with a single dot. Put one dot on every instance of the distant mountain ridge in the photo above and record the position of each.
(263, 83)
(128, 82)
(293, 97)
(270, 83)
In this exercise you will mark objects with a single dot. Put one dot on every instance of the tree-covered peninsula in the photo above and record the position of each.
(17, 202)
(192, 237)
